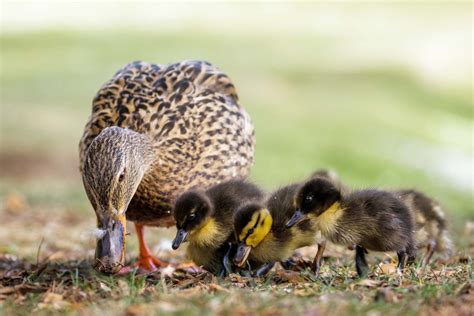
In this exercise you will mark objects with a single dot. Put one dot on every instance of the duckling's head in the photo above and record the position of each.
(113, 167)
(314, 197)
(191, 212)
(252, 223)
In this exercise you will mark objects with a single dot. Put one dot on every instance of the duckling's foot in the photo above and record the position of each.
(318, 259)
(429, 252)
(361, 264)
(263, 270)
(226, 262)
(401, 260)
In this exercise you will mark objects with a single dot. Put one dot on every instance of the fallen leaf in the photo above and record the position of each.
(7, 290)
(368, 283)
(386, 268)
(217, 288)
(52, 297)
(104, 287)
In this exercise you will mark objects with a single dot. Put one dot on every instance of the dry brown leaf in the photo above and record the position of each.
(217, 288)
(15, 203)
(386, 268)
(289, 276)
(369, 283)
(135, 310)
(52, 297)
(7, 290)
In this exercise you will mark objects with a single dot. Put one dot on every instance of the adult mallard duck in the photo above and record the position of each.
(156, 131)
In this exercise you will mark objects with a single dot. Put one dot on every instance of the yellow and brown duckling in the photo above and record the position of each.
(204, 219)
(430, 219)
(261, 231)
(371, 219)
(430, 224)
(156, 131)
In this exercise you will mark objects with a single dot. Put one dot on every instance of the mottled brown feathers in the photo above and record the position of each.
(189, 112)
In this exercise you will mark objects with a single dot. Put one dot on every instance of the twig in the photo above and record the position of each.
(39, 251)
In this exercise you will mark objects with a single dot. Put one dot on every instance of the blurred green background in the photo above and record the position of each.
(382, 94)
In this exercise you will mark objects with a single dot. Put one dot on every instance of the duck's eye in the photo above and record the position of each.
(308, 199)
(191, 217)
(121, 176)
(251, 230)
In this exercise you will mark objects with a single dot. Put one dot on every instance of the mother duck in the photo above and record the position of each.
(154, 132)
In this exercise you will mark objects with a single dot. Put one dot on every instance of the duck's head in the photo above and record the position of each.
(314, 197)
(191, 212)
(113, 168)
(252, 223)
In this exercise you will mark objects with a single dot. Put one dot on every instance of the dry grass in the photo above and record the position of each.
(50, 274)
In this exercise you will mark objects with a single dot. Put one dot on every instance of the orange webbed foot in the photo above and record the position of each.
(148, 264)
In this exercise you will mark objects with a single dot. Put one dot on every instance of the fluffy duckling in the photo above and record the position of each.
(371, 219)
(430, 224)
(430, 220)
(261, 232)
(204, 218)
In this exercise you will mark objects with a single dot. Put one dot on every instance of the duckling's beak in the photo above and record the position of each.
(180, 238)
(297, 217)
(242, 254)
(110, 250)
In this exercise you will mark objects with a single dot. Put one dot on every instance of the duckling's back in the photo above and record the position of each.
(229, 195)
(376, 220)
(430, 221)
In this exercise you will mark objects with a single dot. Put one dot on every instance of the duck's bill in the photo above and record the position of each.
(297, 217)
(243, 252)
(110, 250)
(181, 236)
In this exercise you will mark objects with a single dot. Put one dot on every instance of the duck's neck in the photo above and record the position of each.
(210, 234)
(327, 221)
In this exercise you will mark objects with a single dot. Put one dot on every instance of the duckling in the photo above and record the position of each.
(371, 219)
(156, 131)
(430, 220)
(204, 218)
(261, 232)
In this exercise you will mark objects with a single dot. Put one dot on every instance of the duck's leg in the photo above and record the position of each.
(263, 270)
(361, 264)
(401, 260)
(430, 250)
(226, 262)
(316, 266)
(146, 262)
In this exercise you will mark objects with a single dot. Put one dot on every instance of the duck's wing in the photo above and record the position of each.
(151, 99)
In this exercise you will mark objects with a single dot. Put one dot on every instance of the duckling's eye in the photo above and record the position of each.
(121, 176)
(191, 217)
(308, 199)
(251, 230)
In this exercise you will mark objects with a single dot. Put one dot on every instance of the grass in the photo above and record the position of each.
(314, 102)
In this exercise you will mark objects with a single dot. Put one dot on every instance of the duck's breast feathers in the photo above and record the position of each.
(191, 102)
